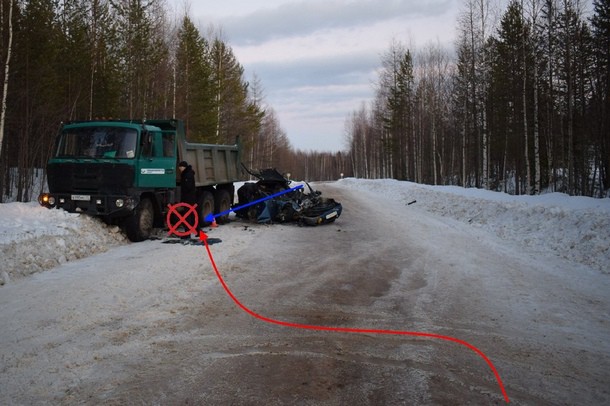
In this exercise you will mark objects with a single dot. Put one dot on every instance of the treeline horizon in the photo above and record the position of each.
(128, 59)
(522, 107)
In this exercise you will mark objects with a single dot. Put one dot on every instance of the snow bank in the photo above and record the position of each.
(35, 239)
(574, 228)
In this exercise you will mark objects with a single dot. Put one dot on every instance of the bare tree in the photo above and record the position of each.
(524, 60)
(535, 10)
(7, 64)
(474, 27)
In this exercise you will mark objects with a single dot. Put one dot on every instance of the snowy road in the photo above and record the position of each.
(149, 323)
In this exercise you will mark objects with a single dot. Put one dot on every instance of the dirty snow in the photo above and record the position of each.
(525, 278)
(573, 228)
(34, 239)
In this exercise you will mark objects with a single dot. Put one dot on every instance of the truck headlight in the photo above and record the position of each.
(45, 199)
(119, 203)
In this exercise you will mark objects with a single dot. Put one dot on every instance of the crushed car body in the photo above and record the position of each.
(301, 206)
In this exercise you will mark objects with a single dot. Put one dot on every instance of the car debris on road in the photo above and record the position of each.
(305, 208)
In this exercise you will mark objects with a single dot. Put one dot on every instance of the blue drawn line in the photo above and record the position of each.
(210, 217)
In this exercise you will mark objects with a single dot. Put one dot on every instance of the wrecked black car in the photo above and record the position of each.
(272, 200)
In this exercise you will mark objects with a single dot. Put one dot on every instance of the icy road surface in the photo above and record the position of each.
(149, 323)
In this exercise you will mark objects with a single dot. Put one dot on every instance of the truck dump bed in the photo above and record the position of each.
(213, 164)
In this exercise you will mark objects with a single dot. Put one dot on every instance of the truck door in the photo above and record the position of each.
(158, 160)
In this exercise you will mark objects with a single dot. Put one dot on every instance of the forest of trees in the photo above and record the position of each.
(86, 59)
(522, 105)
(524, 108)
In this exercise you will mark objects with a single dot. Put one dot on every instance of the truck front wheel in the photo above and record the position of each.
(139, 225)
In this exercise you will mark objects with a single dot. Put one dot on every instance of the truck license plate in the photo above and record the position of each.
(83, 198)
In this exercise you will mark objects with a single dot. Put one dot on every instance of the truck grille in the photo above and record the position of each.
(90, 178)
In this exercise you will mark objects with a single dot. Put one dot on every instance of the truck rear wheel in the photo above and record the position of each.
(205, 207)
(223, 205)
(139, 225)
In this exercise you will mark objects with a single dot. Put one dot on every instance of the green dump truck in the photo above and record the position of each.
(125, 171)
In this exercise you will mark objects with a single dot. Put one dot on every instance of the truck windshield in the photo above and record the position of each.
(97, 142)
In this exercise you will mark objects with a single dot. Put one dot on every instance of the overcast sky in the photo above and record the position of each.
(316, 59)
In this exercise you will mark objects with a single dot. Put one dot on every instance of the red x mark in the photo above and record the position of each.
(190, 229)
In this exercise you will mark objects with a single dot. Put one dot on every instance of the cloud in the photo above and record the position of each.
(302, 18)
(315, 117)
(320, 70)
(317, 59)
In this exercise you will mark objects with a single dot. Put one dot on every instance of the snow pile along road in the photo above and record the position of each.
(574, 228)
(524, 279)
(35, 239)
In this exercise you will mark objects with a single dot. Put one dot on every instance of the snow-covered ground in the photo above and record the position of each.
(523, 278)
(34, 239)
(574, 228)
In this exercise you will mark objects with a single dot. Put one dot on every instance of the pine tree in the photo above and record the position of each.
(231, 93)
(574, 51)
(399, 145)
(473, 28)
(193, 76)
(601, 97)
(38, 101)
(511, 81)
(138, 24)
(75, 59)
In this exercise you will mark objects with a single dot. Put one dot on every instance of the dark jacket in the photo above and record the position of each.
(188, 193)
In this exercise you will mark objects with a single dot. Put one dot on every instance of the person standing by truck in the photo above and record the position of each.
(188, 192)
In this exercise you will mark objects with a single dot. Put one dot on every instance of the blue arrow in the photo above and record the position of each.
(210, 217)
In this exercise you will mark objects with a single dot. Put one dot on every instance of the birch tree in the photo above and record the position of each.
(358, 136)
(434, 68)
(473, 31)
(549, 41)
(7, 65)
(524, 99)
(535, 10)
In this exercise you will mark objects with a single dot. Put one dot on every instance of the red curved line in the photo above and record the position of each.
(352, 330)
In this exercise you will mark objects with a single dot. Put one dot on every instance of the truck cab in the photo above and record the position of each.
(98, 165)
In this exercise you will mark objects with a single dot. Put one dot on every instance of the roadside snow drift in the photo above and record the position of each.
(524, 279)
(34, 239)
(573, 228)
